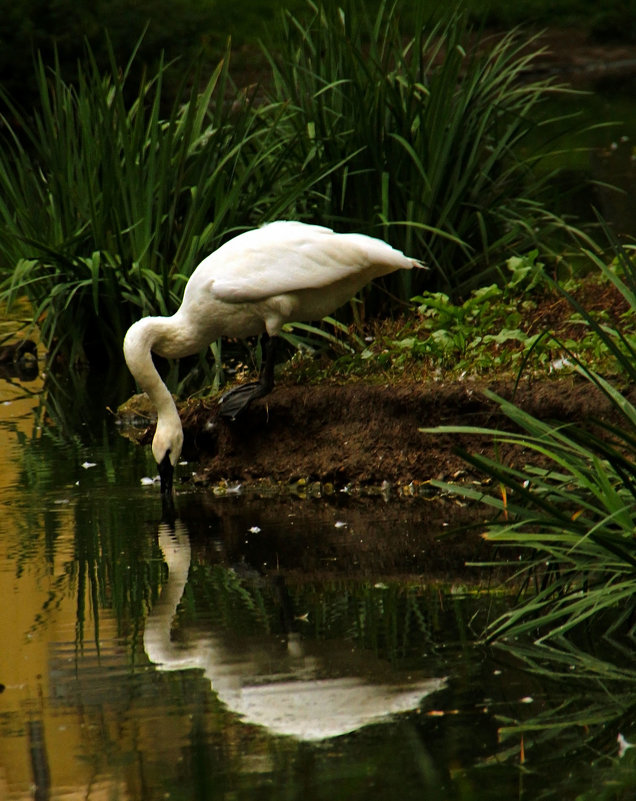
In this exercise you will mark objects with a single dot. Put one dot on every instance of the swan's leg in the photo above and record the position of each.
(237, 400)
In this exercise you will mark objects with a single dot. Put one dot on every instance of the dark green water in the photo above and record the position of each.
(262, 647)
(593, 145)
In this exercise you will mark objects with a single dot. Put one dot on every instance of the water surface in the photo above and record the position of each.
(259, 647)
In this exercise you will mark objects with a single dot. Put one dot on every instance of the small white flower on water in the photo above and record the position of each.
(623, 745)
(255, 530)
(88, 465)
(340, 524)
(527, 699)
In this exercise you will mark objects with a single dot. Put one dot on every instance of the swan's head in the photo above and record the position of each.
(139, 342)
(166, 448)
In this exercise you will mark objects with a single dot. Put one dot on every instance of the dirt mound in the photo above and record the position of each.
(366, 434)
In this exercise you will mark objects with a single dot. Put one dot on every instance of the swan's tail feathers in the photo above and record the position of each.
(381, 253)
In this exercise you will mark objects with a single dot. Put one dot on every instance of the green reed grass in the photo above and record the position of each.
(572, 508)
(433, 125)
(108, 199)
(113, 188)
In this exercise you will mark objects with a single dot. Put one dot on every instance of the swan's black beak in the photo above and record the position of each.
(166, 473)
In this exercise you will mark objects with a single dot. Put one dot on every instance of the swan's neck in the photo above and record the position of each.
(140, 341)
(142, 338)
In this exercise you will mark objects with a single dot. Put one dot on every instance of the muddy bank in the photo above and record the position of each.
(572, 54)
(366, 434)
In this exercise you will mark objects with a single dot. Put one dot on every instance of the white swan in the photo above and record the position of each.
(288, 697)
(253, 284)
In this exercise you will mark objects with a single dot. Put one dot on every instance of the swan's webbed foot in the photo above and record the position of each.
(236, 400)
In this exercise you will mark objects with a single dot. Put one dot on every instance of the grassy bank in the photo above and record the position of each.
(421, 144)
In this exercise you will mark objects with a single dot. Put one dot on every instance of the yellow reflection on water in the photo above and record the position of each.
(39, 741)
(25, 587)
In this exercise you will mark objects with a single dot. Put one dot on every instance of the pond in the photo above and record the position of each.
(594, 151)
(275, 646)
(261, 646)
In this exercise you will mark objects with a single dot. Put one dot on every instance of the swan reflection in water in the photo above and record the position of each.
(296, 700)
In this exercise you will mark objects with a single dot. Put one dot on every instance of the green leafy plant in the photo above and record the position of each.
(464, 332)
(572, 508)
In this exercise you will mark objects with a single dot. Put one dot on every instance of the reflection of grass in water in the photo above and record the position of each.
(586, 703)
(71, 425)
(111, 565)
(72, 519)
(389, 620)
(117, 567)
(568, 729)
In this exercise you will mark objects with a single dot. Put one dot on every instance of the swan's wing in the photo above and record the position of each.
(287, 257)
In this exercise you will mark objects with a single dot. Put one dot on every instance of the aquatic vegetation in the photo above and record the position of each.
(569, 500)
